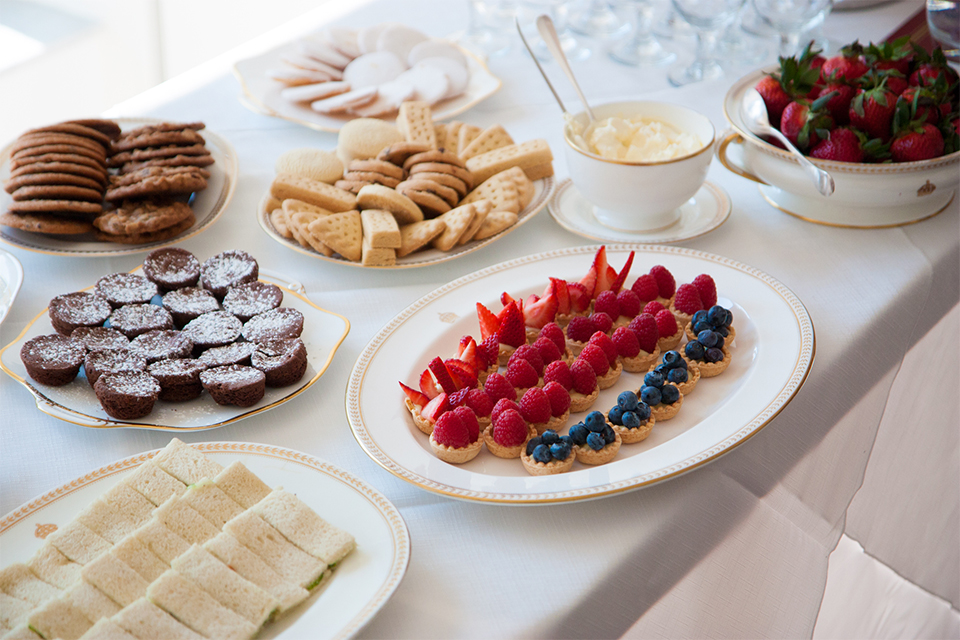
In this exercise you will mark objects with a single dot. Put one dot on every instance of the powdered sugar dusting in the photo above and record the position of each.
(96, 338)
(80, 307)
(233, 374)
(130, 383)
(274, 324)
(171, 265)
(227, 268)
(53, 349)
(126, 288)
(217, 326)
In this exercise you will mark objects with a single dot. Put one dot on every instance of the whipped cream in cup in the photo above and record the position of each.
(636, 138)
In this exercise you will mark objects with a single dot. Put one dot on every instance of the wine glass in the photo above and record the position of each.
(481, 35)
(594, 18)
(943, 19)
(572, 48)
(640, 47)
(708, 17)
(791, 18)
(739, 49)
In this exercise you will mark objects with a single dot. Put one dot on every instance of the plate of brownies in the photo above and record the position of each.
(175, 344)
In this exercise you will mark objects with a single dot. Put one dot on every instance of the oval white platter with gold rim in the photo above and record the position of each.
(543, 191)
(361, 584)
(208, 205)
(323, 333)
(772, 356)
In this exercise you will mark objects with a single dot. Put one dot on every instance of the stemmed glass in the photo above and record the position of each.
(708, 17)
(641, 47)
(480, 35)
(737, 48)
(572, 48)
(594, 18)
(791, 18)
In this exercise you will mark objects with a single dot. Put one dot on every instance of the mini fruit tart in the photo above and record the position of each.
(453, 441)
(678, 370)
(686, 302)
(521, 374)
(595, 441)
(716, 318)
(548, 454)
(663, 397)
(424, 410)
(632, 419)
(709, 352)
(552, 332)
(508, 435)
(585, 390)
(579, 331)
(669, 330)
(559, 407)
(536, 410)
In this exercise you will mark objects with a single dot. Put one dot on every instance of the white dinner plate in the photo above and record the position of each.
(207, 205)
(772, 355)
(361, 584)
(427, 256)
(705, 211)
(262, 94)
(11, 278)
(323, 333)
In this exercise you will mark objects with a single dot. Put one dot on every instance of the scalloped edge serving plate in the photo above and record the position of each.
(11, 279)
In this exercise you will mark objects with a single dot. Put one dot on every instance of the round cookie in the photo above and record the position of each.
(153, 153)
(235, 384)
(283, 362)
(165, 344)
(58, 192)
(76, 129)
(107, 127)
(431, 204)
(188, 303)
(275, 324)
(251, 298)
(443, 167)
(70, 311)
(363, 138)
(73, 158)
(45, 223)
(370, 177)
(96, 338)
(399, 152)
(179, 379)
(158, 181)
(39, 179)
(150, 237)
(97, 174)
(234, 353)
(416, 183)
(353, 186)
(127, 396)
(172, 268)
(445, 179)
(133, 320)
(104, 361)
(142, 139)
(380, 197)
(72, 207)
(378, 166)
(434, 155)
(135, 218)
(53, 359)
(214, 329)
(228, 269)
(372, 69)
(172, 161)
(125, 288)
(97, 154)
(315, 164)
(28, 141)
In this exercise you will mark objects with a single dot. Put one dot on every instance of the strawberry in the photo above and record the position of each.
(666, 284)
(427, 386)
(436, 408)
(510, 430)
(584, 377)
(917, 142)
(535, 406)
(580, 328)
(806, 123)
(480, 402)
(469, 420)
(646, 288)
(774, 97)
(559, 398)
(503, 404)
(467, 351)
(707, 288)
(451, 432)
(602, 322)
(607, 303)
(609, 349)
(617, 284)
(629, 303)
(653, 307)
(538, 313)
(558, 372)
(416, 398)
(688, 299)
(463, 374)
(796, 78)
(489, 350)
(596, 357)
(497, 387)
(626, 342)
(531, 355)
(560, 291)
(506, 298)
(442, 375)
(579, 297)
(458, 398)
(599, 264)
(871, 111)
(521, 374)
(644, 326)
(922, 102)
(839, 104)
(552, 332)
(666, 323)
(547, 349)
(895, 55)
(848, 65)
(849, 145)
(931, 68)
(488, 321)
(511, 331)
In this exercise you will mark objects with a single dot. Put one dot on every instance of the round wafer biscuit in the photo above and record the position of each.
(99, 175)
(446, 179)
(434, 155)
(378, 166)
(32, 179)
(440, 167)
(370, 176)
(45, 223)
(75, 129)
(58, 192)
(16, 163)
(416, 183)
(97, 154)
(73, 207)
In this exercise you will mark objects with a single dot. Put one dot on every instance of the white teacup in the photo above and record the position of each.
(633, 195)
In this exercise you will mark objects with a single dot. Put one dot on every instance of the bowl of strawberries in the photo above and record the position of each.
(882, 120)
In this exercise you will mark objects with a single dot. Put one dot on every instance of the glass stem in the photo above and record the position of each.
(706, 46)
(789, 44)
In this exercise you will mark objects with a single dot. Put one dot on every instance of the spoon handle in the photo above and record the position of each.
(823, 180)
(549, 34)
(539, 68)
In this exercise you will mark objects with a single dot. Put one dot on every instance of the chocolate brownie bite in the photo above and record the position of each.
(251, 298)
(236, 353)
(78, 309)
(163, 344)
(235, 384)
(189, 303)
(275, 324)
(172, 268)
(133, 320)
(283, 362)
(96, 338)
(126, 288)
(179, 379)
(228, 269)
(127, 396)
(214, 329)
(52, 359)
(104, 361)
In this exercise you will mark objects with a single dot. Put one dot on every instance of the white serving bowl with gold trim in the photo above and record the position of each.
(867, 195)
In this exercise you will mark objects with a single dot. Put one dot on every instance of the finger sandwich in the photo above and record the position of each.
(146, 621)
(283, 557)
(303, 527)
(197, 609)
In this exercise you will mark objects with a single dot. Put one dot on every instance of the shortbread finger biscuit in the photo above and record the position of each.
(278, 218)
(467, 134)
(315, 164)
(353, 186)
(72, 207)
(440, 167)
(99, 175)
(73, 158)
(363, 138)
(300, 221)
(490, 139)
(415, 122)
(32, 179)
(496, 222)
(370, 176)
(453, 136)
(150, 153)
(377, 256)
(107, 127)
(148, 238)
(527, 154)
(100, 155)
(398, 152)
(315, 192)
(416, 183)
(342, 232)
(434, 155)
(445, 179)
(74, 129)
(483, 209)
(456, 220)
(380, 229)
(500, 190)
(58, 192)
(430, 203)
(38, 139)
(313, 92)
(138, 218)
(45, 223)
(417, 235)
(440, 131)
(524, 185)
(185, 137)
(539, 171)
(404, 210)
(378, 166)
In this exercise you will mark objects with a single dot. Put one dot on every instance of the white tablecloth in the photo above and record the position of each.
(738, 548)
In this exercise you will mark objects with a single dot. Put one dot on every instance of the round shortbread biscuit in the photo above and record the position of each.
(45, 223)
(99, 155)
(100, 175)
(416, 183)
(378, 166)
(316, 164)
(371, 176)
(73, 158)
(446, 180)
(72, 207)
(399, 40)
(430, 84)
(431, 204)
(341, 102)
(434, 155)
(456, 73)
(435, 49)
(372, 69)
(311, 92)
(353, 186)
(398, 153)
(442, 167)
(377, 196)
(36, 179)
(364, 138)
(58, 192)
(74, 129)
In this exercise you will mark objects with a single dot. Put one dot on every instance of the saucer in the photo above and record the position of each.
(705, 211)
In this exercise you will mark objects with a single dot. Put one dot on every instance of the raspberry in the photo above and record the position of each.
(480, 402)
(597, 359)
(653, 308)
(665, 282)
(457, 398)
(502, 405)
(646, 288)
(707, 288)
(548, 351)
(629, 303)
(497, 387)
(469, 420)
(559, 372)
(552, 332)
(601, 322)
(626, 342)
(584, 377)
(521, 374)
(450, 431)
(559, 398)
(489, 350)
(645, 328)
(535, 406)
(603, 341)
(666, 323)
(531, 355)
(580, 329)
(688, 299)
(510, 430)
(607, 303)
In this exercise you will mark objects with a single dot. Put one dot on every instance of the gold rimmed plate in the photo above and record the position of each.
(323, 333)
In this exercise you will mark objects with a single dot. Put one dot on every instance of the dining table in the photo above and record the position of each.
(865, 456)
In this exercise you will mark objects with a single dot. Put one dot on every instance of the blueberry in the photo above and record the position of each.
(713, 355)
(681, 364)
(677, 376)
(615, 415)
(662, 369)
(609, 435)
(595, 421)
(703, 325)
(532, 444)
(542, 454)
(654, 379)
(720, 341)
(716, 315)
(672, 358)
(643, 412)
(560, 450)
(627, 401)
(707, 338)
(729, 319)
(669, 394)
(699, 316)
(723, 331)
(595, 441)
(650, 395)
(578, 434)
(567, 440)
(694, 350)
(631, 420)
(550, 437)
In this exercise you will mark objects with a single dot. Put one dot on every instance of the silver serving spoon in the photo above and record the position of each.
(523, 39)
(754, 114)
(549, 34)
